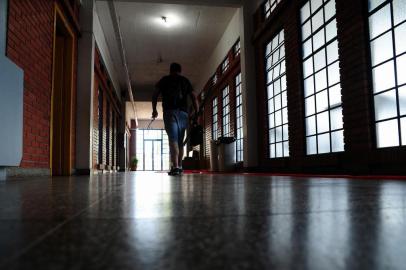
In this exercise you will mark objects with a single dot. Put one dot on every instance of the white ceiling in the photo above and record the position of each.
(151, 46)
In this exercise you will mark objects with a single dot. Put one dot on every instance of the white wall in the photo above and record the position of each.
(11, 102)
(241, 26)
(230, 36)
(105, 53)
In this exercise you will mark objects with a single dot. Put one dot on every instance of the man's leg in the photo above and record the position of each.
(180, 155)
(183, 119)
(171, 127)
(174, 153)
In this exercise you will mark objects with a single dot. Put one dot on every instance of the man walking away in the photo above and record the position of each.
(175, 90)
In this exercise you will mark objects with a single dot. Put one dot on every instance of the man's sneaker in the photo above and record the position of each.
(175, 172)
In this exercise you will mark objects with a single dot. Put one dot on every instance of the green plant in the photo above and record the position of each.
(134, 161)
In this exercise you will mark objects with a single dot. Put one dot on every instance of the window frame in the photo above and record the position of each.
(269, 6)
(397, 86)
(214, 121)
(237, 48)
(280, 63)
(225, 65)
(239, 125)
(329, 88)
(226, 111)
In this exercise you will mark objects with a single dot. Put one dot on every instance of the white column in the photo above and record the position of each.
(85, 89)
(250, 118)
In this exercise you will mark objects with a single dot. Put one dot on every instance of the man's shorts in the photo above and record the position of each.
(176, 122)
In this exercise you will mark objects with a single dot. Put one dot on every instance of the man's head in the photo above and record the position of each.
(175, 68)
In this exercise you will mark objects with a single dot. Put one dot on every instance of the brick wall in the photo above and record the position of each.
(360, 156)
(30, 46)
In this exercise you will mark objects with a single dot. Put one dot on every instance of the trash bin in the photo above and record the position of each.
(226, 154)
(213, 156)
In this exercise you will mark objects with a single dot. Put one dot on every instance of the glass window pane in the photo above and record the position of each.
(285, 133)
(333, 74)
(321, 101)
(335, 95)
(311, 125)
(279, 135)
(331, 30)
(285, 115)
(270, 90)
(400, 39)
(271, 120)
(383, 77)
(271, 106)
(283, 83)
(318, 40)
(279, 150)
(320, 60)
(284, 99)
(374, 4)
(307, 30)
(309, 86)
(380, 22)
(332, 52)
(324, 143)
(308, 67)
(305, 12)
(283, 67)
(402, 100)
(336, 116)
(401, 69)
(278, 118)
(318, 20)
(385, 105)
(278, 102)
(272, 135)
(399, 11)
(321, 80)
(315, 4)
(310, 106)
(330, 9)
(286, 149)
(403, 130)
(323, 122)
(387, 133)
(382, 49)
(307, 48)
(311, 145)
(277, 87)
(272, 151)
(337, 141)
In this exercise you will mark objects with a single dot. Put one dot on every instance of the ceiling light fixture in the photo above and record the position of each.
(165, 21)
(168, 20)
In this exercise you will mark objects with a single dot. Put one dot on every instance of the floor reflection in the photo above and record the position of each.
(152, 221)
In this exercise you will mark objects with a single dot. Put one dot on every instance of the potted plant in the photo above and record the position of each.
(134, 164)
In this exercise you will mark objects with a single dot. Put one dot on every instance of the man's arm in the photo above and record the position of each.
(155, 102)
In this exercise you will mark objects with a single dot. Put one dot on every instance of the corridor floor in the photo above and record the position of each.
(153, 221)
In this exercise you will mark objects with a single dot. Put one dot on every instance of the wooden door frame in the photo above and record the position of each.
(59, 17)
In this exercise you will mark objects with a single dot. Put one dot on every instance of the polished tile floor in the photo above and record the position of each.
(152, 221)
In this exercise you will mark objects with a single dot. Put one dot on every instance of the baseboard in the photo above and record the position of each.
(18, 172)
(83, 172)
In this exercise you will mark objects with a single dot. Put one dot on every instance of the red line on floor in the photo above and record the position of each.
(360, 177)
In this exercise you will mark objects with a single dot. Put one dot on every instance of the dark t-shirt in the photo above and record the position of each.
(174, 89)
